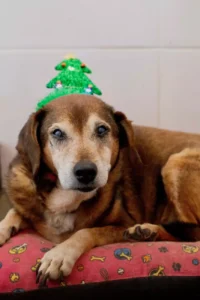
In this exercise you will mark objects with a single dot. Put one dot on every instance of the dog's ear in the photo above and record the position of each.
(28, 145)
(126, 134)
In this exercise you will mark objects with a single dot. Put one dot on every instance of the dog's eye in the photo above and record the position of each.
(57, 133)
(101, 130)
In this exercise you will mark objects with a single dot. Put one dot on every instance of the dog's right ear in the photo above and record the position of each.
(28, 144)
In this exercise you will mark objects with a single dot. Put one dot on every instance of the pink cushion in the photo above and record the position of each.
(19, 257)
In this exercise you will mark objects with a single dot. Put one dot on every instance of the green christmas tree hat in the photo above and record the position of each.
(70, 80)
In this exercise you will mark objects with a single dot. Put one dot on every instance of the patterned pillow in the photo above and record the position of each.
(20, 256)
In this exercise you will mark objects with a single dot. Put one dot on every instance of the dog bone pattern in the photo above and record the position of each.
(97, 258)
(20, 257)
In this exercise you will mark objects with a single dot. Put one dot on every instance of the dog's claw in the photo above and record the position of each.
(38, 277)
(61, 277)
(43, 282)
(13, 231)
(126, 235)
(37, 268)
(136, 235)
(139, 233)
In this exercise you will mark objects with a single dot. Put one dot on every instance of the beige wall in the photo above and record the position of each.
(144, 55)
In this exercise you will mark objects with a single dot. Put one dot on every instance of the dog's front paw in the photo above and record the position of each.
(56, 263)
(142, 232)
(5, 233)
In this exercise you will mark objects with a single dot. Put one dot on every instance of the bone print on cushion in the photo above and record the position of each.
(20, 257)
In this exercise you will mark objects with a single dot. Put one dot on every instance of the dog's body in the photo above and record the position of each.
(85, 177)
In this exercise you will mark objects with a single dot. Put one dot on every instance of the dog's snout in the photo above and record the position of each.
(85, 171)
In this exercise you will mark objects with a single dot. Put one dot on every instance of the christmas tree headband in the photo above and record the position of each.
(70, 80)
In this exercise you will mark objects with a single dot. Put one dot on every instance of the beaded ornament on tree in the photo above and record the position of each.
(70, 80)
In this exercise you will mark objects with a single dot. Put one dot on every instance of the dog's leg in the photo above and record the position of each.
(10, 225)
(181, 177)
(148, 232)
(60, 260)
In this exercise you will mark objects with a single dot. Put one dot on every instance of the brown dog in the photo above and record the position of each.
(85, 177)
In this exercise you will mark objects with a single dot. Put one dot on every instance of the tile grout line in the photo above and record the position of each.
(116, 48)
(158, 90)
(158, 69)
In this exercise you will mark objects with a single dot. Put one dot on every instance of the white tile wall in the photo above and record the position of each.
(180, 90)
(78, 23)
(179, 23)
(145, 56)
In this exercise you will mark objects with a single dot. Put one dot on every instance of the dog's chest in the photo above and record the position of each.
(59, 214)
(61, 207)
(60, 222)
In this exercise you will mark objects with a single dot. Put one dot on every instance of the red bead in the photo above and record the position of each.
(63, 64)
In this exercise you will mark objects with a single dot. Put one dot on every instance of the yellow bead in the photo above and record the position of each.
(70, 56)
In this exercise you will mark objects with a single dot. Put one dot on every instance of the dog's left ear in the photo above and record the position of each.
(126, 133)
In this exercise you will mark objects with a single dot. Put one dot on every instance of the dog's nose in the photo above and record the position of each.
(85, 171)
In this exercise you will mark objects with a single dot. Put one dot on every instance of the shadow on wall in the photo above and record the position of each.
(5, 205)
(7, 154)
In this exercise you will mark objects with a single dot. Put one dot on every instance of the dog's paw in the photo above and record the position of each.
(5, 234)
(143, 232)
(55, 264)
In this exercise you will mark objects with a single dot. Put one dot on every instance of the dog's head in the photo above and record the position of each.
(78, 137)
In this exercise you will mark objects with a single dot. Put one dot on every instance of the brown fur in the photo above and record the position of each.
(153, 181)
